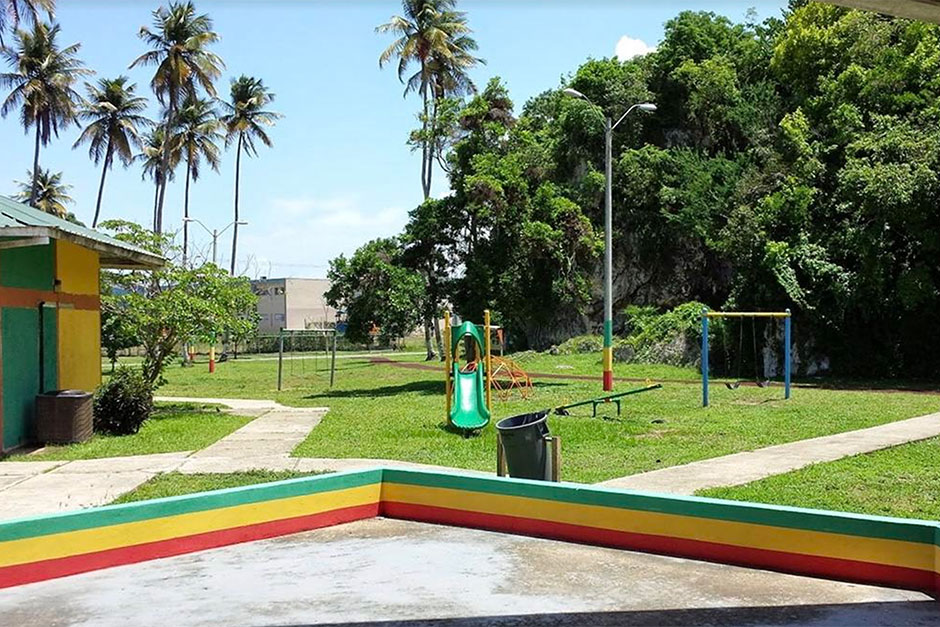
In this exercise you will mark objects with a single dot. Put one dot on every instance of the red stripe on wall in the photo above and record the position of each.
(22, 297)
(796, 563)
(75, 564)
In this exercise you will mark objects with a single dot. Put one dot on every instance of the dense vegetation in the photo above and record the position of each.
(791, 163)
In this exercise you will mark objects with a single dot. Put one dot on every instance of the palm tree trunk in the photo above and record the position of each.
(425, 148)
(238, 168)
(156, 198)
(165, 160)
(32, 188)
(189, 170)
(104, 172)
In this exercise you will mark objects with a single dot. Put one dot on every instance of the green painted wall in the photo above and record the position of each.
(21, 358)
(30, 267)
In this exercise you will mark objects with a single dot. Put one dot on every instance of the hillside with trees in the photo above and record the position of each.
(792, 163)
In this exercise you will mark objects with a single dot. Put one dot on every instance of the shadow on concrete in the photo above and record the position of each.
(868, 614)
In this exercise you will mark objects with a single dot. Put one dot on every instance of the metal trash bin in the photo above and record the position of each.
(523, 440)
(63, 416)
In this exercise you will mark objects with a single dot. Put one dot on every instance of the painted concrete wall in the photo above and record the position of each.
(77, 270)
(306, 305)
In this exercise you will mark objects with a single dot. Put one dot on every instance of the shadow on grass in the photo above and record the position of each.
(426, 388)
(449, 428)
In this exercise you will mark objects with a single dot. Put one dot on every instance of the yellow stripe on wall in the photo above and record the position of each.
(840, 546)
(166, 528)
(79, 349)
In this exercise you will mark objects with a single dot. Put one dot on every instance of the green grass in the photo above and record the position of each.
(380, 411)
(900, 481)
(172, 427)
(176, 484)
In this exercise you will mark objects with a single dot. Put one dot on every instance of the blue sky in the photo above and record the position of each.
(339, 173)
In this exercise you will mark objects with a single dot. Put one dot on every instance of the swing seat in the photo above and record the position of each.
(733, 386)
(763, 384)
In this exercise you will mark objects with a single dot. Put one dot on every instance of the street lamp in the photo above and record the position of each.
(609, 127)
(215, 233)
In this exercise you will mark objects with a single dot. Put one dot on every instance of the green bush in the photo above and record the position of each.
(669, 337)
(581, 344)
(123, 403)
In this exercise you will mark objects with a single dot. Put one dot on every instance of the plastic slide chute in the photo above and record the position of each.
(468, 385)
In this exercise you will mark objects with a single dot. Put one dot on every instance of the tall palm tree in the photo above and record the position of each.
(198, 128)
(433, 35)
(14, 12)
(113, 112)
(151, 156)
(179, 45)
(47, 191)
(244, 120)
(42, 84)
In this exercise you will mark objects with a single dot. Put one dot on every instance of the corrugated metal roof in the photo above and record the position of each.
(17, 217)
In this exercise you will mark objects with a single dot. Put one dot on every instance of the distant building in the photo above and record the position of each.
(292, 304)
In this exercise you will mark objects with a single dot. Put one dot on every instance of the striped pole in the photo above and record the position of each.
(786, 356)
(608, 262)
(704, 358)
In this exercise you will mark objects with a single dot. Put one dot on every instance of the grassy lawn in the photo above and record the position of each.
(900, 481)
(172, 427)
(381, 411)
(175, 483)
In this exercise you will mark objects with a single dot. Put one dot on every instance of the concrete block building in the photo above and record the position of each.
(50, 321)
(291, 303)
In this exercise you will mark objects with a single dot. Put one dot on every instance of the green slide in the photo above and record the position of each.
(469, 410)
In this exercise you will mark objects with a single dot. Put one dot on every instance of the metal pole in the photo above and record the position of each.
(786, 356)
(608, 261)
(333, 360)
(280, 358)
(215, 242)
(704, 358)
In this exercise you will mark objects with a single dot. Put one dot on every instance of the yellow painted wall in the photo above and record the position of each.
(76, 268)
(79, 330)
(79, 349)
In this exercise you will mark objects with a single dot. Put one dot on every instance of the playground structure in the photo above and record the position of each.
(508, 377)
(785, 315)
(468, 388)
(292, 333)
(610, 398)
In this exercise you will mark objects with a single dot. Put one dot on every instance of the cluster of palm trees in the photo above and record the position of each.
(43, 78)
(435, 36)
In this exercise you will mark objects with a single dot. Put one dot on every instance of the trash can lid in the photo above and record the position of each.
(522, 420)
(66, 393)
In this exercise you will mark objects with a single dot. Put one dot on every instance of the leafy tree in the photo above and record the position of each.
(151, 158)
(42, 85)
(198, 131)
(114, 115)
(15, 12)
(375, 288)
(245, 120)
(116, 332)
(167, 306)
(179, 48)
(49, 193)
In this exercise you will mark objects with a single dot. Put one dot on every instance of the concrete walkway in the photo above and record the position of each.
(773, 460)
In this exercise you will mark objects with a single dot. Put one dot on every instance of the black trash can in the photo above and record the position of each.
(63, 416)
(523, 441)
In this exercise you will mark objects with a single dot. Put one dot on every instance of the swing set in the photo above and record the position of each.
(759, 380)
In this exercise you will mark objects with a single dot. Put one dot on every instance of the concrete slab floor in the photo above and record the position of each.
(399, 572)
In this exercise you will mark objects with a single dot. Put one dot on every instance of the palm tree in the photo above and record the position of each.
(113, 113)
(436, 37)
(13, 12)
(151, 155)
(46, 192)
(178, 42)
(198, 128)
(42, 84)
(244, 120)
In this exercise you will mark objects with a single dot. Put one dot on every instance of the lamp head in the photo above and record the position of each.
(574, 93)
(647, 106)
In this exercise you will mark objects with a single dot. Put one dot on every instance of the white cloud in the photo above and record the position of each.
(628, 47)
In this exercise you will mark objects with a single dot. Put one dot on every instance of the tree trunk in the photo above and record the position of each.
(238, 167)
(425, 143)
(32, 187)
(165, 160)
(189, 169)
(104, 172)
(437, 336)
(156, 198)
(427, 339)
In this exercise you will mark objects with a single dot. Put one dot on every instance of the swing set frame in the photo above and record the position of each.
(707, 315)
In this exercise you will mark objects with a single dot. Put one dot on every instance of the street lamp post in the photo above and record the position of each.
(215, 233)
(609, 126)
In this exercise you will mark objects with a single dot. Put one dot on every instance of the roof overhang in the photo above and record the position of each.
(110, 255)
(924, 10)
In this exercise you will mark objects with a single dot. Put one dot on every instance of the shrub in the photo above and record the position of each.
(668, 338)
(581, 344)
(123, 404)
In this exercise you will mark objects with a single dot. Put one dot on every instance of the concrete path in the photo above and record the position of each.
(773, 460)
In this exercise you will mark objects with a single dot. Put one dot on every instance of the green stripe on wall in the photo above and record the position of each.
(31, 267)
(735, 511)
(171, 506)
